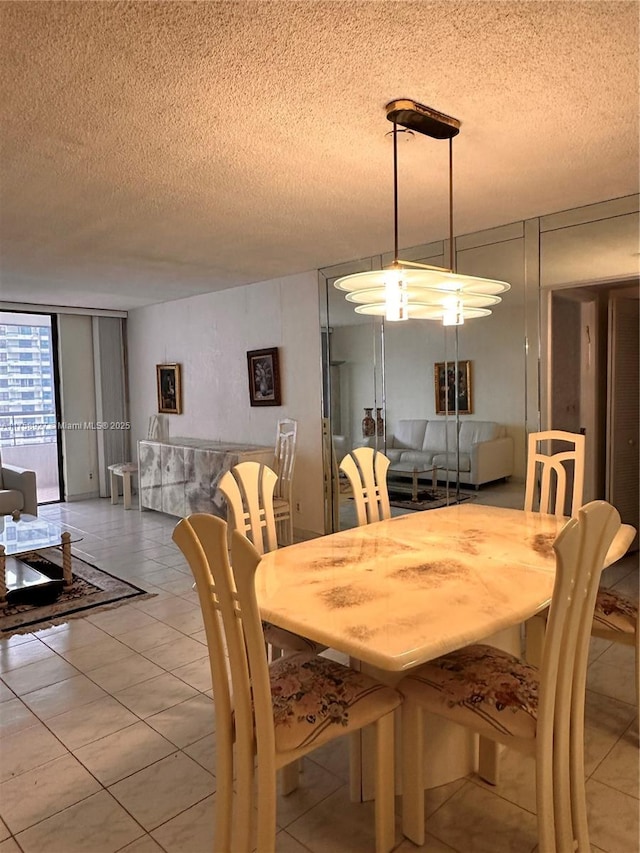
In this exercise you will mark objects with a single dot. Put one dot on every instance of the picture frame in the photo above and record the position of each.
(445, 388)
(264, 377)
(169, 382)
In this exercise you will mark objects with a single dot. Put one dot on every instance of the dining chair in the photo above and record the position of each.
(537, 711)
(616, 615)
(248, 490)
(274, 712)
(366, 470)
(283, 464)
(548, 474)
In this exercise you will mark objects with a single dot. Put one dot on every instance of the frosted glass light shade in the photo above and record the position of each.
(424, 293)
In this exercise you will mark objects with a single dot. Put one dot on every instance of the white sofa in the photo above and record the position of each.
(17, 490)
(486, 451)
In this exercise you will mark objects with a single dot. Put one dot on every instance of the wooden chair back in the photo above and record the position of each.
(232, 621)
(548, 474)
(284, 459)
(366, 470)
(248, 489)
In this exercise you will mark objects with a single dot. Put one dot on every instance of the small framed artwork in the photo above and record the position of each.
(169, 389)
(264, 377)
(447, 387)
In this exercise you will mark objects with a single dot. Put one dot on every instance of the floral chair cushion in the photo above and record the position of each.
(615, 612)
(481, 687)
(311, 695)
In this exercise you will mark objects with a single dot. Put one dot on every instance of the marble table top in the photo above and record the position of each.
(403, 591)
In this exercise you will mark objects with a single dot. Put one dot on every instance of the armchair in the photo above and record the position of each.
(17, 490)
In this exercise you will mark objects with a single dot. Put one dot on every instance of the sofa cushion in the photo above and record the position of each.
(449, 461)
(419, 458)
(394, 455)
(472, 432)
(440, 436)
(10, 500)
(409, 434)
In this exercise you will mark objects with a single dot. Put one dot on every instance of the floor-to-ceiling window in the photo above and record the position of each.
(28, 410)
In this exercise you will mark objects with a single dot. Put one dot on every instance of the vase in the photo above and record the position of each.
(379, 422)
(368, 424)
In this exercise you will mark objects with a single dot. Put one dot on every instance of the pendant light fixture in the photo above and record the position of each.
(407, 289)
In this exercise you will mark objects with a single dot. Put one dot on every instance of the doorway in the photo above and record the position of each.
(29, 398)
(593, 382)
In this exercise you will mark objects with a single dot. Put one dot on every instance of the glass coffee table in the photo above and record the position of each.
(413, 470)
(20, 537)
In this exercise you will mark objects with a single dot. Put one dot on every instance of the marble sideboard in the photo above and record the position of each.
(180, 475)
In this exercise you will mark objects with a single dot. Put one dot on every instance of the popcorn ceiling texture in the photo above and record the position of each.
(151, 151)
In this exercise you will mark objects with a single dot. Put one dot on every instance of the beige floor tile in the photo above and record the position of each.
(78, 828)
(338, 824)
(188, 621)
(146, 844)
(155, 695)
(15, 716)
(180, 585)
(196, 674)
(4, 830)
(9, 846)
(28, 749)
(13, 656)
(334, 757)
(71, 635)
(83, 725)
(621, 768)
(124, 673)
(314, 785)
(605, 721)
(37, 794)
(164, 790)
(597, 647)
(166, 607)
(63, 696)
(431, 845)
(5, 693)
(191, 830)
(613, 819)
(123, 753)
(176, 653)
(33, 676)
(517, 780)
(285, 843)
(436, 797)
(150, 636)
(619, 655)
(97, 654)
(120, 620)
(477, 821)
(200, 636)
(204, 752)
(187, 722)
(17, 639)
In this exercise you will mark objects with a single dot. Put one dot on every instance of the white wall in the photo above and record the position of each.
(209, 335)
(78, 406)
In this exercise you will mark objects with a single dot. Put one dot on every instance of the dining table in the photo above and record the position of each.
(396, 593)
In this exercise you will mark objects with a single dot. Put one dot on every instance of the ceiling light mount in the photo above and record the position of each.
(410, 289)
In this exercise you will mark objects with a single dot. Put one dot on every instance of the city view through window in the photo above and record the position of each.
(28, 434)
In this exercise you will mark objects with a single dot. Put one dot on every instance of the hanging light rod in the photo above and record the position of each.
(408, 288)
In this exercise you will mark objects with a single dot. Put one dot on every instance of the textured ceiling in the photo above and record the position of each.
(156, 150)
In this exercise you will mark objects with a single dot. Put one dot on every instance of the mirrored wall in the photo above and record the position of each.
(393, 385)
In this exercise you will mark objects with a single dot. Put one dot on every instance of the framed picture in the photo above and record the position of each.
(169, 389)
(264, 377)
(447, 387)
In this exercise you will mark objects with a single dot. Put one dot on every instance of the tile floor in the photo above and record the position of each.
(108, 732)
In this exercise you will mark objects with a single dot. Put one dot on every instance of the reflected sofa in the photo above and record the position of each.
(17, 490)
(486, 451)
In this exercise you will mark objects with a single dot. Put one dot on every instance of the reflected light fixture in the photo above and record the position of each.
(408, 289)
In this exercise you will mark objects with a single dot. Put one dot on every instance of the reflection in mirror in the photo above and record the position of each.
(386, 386)
(516, 359)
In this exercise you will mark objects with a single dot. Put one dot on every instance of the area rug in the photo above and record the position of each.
(91, 588)
(427, 499)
